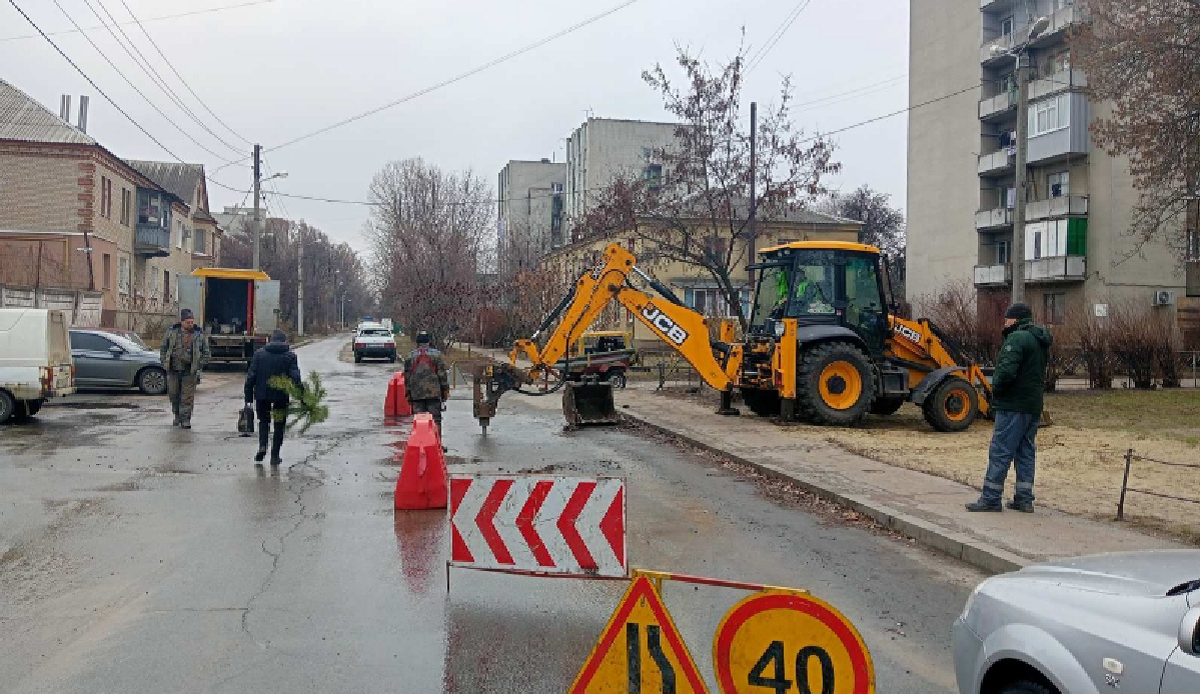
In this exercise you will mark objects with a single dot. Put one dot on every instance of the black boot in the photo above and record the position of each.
(277, 443)
(263, 430)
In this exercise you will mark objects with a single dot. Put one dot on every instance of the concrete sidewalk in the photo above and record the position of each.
(924, 507)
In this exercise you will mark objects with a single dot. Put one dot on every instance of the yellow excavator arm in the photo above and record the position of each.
(680, 327)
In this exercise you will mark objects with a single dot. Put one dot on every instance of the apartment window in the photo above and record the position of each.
(1192, 243)
(201, 247)
(126, 206)
(1007, 197)
(1006, 26)
(1060, 62)
(715, 247)
(1049, 115)
(1003, 252)
(106, 197)
(166, 284)
(1054, 308)
(1058, 184)
(107, 278)
(123, 275)
(653, 175)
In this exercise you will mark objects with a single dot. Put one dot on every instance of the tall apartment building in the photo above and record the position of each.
(602, 149)
(530, 215)
(961, 156)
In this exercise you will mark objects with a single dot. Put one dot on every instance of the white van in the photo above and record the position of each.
(35, 360)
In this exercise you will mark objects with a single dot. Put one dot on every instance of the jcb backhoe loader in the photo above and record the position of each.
(822, 345)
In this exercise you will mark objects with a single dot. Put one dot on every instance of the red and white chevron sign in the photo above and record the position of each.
(538, 523)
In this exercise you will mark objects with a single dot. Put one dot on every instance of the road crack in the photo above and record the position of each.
(299, 483)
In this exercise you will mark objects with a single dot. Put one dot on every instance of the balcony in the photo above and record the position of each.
(152, 240)
(996, 218)
(998, 162)
(1065, 206)
(1062, 80)
(1060, 21)
(996, 5)
(1059, 268)
(993, 275)
(996, 50)
(997, 106)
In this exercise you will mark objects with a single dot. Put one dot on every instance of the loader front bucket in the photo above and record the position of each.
(589, 403)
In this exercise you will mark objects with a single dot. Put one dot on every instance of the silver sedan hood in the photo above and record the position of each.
(1150, 573)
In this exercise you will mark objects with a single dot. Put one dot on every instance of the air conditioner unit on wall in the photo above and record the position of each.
(1164, 298)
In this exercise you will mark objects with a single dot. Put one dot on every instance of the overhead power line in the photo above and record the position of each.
(147, 68)
(148, 19)
(852, 126)
(184, 82)
(461, 76)
(124, 77)
(776, 35)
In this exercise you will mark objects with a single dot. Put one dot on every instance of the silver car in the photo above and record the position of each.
(106, 360)
(1111, 622)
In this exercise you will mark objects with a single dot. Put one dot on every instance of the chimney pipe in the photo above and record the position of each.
(83, 104)
(64, 108)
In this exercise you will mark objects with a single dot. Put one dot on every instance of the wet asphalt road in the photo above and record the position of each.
(136, 557)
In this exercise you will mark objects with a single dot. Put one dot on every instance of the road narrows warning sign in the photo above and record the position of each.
(550, 524)
(789, 641)
(639, 651)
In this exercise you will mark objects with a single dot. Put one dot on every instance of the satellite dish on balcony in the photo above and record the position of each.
(1038, 27)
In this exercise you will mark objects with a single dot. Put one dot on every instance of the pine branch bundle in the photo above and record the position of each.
(305, 401)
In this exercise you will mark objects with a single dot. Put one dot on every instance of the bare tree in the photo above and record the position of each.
(698, 213)
(1142, 57)
(883, 226)
(429, 231)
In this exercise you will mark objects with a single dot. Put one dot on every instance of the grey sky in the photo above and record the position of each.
(279, 70)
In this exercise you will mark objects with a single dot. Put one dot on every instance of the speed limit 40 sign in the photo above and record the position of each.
(788, 641)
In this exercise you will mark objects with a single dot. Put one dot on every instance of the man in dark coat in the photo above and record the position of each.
(428, 385)
(184, 353)
(1017, 387)
(276, 359)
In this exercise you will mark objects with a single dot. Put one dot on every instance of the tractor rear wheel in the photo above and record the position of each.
(886, 406)
(764, 403)
(952, 406)
(834, 384)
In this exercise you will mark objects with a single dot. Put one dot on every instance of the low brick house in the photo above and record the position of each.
(73, 215)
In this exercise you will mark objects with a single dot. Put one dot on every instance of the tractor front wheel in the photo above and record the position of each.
(834, 384)
(952, 406)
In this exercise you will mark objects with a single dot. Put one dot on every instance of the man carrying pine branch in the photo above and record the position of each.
(271, 402)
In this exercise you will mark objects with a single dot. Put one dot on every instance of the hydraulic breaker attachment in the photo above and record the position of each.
(490, 381)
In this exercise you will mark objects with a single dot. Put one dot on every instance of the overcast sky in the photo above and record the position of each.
(277, 70)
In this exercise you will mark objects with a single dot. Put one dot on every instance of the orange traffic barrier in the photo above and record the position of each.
(422, 482)
(396, 403)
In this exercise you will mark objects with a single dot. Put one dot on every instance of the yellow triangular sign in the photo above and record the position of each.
(639, 651)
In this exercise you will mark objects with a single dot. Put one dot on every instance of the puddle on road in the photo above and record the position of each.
(419, 540)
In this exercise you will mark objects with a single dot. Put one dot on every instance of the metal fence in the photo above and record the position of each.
(1125, 488)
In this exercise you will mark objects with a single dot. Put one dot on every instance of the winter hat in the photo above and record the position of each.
(278, 336)
(423, 338)
(1019, 311)
(185, 314)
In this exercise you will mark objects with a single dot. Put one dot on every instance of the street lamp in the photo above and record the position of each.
(1020, 55)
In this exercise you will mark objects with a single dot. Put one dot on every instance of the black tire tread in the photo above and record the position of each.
(808, 398)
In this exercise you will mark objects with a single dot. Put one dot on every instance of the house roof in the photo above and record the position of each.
(795, 214)
(179, 179)
(23, 118)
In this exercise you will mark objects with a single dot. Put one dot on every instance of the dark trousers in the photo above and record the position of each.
(1012, 442)
(434, 407)
(268, 411)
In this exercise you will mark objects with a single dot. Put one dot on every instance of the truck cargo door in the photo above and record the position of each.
(191, 295)
(266, 305)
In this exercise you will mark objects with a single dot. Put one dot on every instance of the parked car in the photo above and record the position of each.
(1127, 621)
(374, 340)
(606, 354)
(106, 360)
(128, 335)
(35, 360)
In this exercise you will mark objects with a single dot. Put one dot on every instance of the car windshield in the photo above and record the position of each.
(125, 343)
(376, 333)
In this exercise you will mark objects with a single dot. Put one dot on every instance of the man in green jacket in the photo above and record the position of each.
(1017, 387)
(184, 353)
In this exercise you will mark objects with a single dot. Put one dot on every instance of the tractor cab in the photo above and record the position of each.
(829, 287)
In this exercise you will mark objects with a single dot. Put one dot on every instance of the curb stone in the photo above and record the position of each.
(955, 544)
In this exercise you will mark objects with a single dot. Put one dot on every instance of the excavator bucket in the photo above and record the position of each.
(589, 403)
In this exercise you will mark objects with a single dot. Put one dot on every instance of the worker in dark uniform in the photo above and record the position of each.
(184, 353)
(270, 403)
(426, 379)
